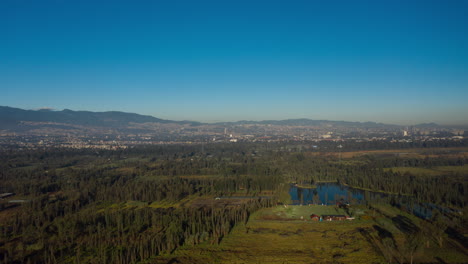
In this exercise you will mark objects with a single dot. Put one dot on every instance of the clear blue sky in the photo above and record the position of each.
(401, 62)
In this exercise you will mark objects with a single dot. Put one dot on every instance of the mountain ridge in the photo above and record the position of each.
(114, 119)
(11, 116)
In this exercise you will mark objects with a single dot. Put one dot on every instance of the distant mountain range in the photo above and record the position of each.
(10, 117)
(14, 118)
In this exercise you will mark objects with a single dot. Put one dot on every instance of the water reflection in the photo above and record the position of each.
(325, 193)
(331, 193)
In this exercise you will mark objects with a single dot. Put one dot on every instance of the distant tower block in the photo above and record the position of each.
(225, 131)
(405, 133)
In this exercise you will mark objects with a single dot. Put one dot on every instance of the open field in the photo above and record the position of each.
(306, 186)
(288, 240)
(162, 178)
(218, 202)
(434, 171)
(194, 201)
(407, 152)
(279, 235)
(297, 212)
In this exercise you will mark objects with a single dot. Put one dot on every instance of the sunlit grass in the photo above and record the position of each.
(434, 171)
(290, 239)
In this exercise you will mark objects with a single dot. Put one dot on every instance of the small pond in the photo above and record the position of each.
(330, 193)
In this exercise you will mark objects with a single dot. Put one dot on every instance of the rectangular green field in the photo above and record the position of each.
(289, 240)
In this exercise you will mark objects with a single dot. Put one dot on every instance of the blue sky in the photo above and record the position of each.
(402, 62)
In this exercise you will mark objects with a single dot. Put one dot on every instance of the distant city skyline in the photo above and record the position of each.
(395, 62)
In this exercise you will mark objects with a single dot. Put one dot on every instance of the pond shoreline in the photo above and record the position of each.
(331, 193)
(376, 191)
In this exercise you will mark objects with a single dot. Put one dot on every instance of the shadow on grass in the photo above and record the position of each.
(383, 233)
(455, 235)
(173, 261)
(367, 234)
(405, 224)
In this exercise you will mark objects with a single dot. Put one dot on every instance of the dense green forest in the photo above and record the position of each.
(128, 206)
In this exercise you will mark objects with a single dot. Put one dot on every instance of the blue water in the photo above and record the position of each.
(330, 193)
(327, 193)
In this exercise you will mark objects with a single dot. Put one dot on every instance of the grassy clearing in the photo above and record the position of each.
(290, 240)
(278, 235)
(410, 152)
(149, 177)
(415, 171)
(157, 204)
(435, 171)
(164, 204)
(186, 201)
(29, 167)
(453, 169)
(295, 212)
(7, 214)
(307, 186)
(376, 191)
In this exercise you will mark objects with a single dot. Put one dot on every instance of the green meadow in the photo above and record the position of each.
(285, 234)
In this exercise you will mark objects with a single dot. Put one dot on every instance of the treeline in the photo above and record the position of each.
(374, 173)
(76, 211)
(103, 176)
(117, 236)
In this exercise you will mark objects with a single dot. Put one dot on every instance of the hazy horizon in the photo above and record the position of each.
(236, 120)
(392, 62)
